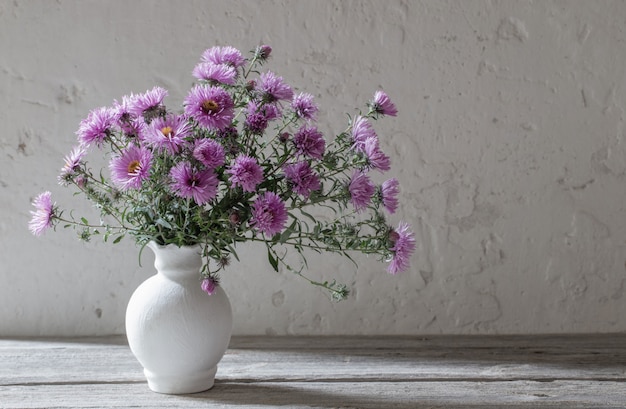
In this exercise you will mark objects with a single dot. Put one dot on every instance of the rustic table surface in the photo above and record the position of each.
(331, 372)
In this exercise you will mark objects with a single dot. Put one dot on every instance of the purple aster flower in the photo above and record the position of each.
(201, 185)
(361, 190)
(303, 178)
(273, 88)
(245, 172)
(122, 109)
(403, 245)
(258, 116)
(209, 285)
(211, 106)
(376, 158)
(134, 128)
(382, 105)
(361, 131)
(129, 123)
(230, 132)
(123, 116)
(167, 133)
(215, 73)
(224, 55)
(209, 152)
(72, 164)
(309, 142)
(303, 106)
(148, 104)
(97, 126)
(131, 168)
(269, 214)
(43, 216)
(389, 194)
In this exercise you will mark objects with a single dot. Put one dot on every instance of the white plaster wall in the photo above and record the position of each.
(509, 149)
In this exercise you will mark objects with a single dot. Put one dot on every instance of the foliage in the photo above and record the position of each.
(242, 162)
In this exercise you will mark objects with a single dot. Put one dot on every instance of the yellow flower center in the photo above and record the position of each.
(167, 131)
(209, 106)
(134, 167)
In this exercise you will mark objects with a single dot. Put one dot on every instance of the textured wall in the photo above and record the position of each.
(508, 148)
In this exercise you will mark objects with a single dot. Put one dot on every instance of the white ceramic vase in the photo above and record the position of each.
(176, 331)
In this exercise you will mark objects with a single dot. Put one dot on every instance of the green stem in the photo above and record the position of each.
(94, 226)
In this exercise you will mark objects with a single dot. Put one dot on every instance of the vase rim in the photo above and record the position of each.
(154, 245)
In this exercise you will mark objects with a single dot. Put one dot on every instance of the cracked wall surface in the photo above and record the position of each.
(508, 147)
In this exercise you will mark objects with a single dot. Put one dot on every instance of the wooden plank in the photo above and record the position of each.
(363, 395)
(298, 359)
(346, 372)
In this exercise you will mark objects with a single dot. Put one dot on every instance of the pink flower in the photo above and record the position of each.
(245, 172)
(258, 116)
(211, 106)
(122, 109)
(303, 106)
(269, 214)
(131, 168)
(224, 55)
(124, 119)
(167, 133)
(309, 142)
(389, 194)
(190, 183)
(376, 158)
(134, 128)
(361, 190)
(403, 245)
(209, 152)
(273, 88)
(42, 217)
(302, 177)
(97, 126)
(215, 73)
(361, 131)
(72, 164)
(381, 104)
(146, 103)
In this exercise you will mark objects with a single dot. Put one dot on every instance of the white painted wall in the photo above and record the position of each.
(509, 148)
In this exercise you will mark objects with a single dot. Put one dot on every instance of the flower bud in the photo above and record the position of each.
(81, 181)
(284, 137)
(393, 236)
(234, 218)
(250, 85)
(263, 52)
(208, 285)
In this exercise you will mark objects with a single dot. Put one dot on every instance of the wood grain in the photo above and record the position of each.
(577, 371)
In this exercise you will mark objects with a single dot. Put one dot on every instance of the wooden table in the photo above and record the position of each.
(331, 372)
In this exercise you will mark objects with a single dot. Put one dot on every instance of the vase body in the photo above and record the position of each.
(176, 331)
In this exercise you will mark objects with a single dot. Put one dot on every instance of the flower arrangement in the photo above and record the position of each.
(243, 161)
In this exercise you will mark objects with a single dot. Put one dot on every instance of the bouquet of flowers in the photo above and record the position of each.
(243, 161)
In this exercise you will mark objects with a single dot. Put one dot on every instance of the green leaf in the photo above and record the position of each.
(273, 260)
(308, 215)
(118, 239)
(84, 221)
(163, 223)
(288, 231)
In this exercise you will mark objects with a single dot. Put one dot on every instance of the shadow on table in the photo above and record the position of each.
(312, 396)
(253, 395)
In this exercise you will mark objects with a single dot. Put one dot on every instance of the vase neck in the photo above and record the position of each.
(177, 263)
